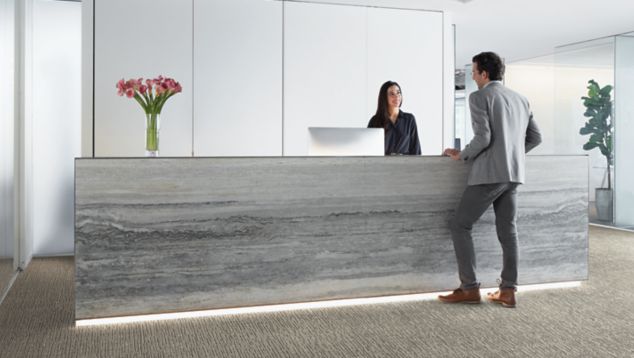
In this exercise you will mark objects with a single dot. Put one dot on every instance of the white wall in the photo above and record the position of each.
(56, 130)
(142, 38)
(7, 129)
(238, 101)
(238, 78)
(537, 83)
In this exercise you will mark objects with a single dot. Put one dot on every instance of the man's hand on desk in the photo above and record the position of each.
(452, 153)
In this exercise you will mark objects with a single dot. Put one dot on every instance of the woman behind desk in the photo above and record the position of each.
(401, 135)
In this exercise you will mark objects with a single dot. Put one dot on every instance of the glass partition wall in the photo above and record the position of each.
(594, 114)
(584, 98)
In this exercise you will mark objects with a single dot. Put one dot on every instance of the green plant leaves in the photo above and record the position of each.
(605, 91)
(586, 130)
(598, 105)
(590, 145)
(593, 88)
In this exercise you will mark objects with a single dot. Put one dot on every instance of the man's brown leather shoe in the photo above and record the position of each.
(504, 296)
(460, 295)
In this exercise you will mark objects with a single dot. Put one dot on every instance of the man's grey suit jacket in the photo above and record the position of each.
(504, 130)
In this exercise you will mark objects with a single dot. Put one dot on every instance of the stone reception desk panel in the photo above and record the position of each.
(177, 234)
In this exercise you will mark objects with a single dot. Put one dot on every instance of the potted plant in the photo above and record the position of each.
(598, 105)
(151, 94)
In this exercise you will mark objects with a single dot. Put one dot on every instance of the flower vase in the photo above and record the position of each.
(152, 126)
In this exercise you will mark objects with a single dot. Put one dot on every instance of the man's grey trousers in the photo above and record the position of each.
(476, 199)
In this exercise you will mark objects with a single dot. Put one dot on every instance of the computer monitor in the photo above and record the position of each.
(325, 141)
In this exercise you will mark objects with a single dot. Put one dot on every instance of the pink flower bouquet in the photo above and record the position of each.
(151, 94)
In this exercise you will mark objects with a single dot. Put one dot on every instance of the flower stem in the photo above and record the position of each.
(152, 132)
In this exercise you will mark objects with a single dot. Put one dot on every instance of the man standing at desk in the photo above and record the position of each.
(504, 130)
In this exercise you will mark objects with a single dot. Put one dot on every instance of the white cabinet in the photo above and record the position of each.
(141, 38)
(237, 78)
(324, 70)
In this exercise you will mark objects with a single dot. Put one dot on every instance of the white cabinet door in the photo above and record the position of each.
(141, 38)
(324, 70)
(405, 46)
(237, 78)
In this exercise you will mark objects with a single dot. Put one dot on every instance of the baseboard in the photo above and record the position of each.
(611, 227)
(53, 255)
(5, 292)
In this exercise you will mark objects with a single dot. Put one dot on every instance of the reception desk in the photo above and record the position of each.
(178, 234)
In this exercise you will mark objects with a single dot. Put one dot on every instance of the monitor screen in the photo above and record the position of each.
(346, 141)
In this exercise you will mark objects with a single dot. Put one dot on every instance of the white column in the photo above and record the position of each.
(87, 22)
(624, 131)
(56, 123)
(7, 131)
(23, 129)
(449, 77)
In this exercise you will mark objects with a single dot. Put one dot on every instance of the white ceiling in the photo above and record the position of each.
(595, 54)
(519, 30)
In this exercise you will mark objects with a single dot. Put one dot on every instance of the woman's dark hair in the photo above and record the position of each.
(491, 63)
(381, 117)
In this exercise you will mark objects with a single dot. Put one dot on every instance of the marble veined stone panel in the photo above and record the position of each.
(175, 234)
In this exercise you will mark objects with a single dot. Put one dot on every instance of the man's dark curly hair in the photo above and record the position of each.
(491, 63)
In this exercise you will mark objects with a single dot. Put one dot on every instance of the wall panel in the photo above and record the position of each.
(324, 70)
(406, 46)
(142, 38)
(237, 78)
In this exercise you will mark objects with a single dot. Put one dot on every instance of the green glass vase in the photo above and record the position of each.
(152, 127)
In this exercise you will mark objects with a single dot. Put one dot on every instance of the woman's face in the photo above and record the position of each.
(394, 97)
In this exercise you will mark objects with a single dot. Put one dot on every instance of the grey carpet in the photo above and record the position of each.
(596, 320)
(6, 273)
